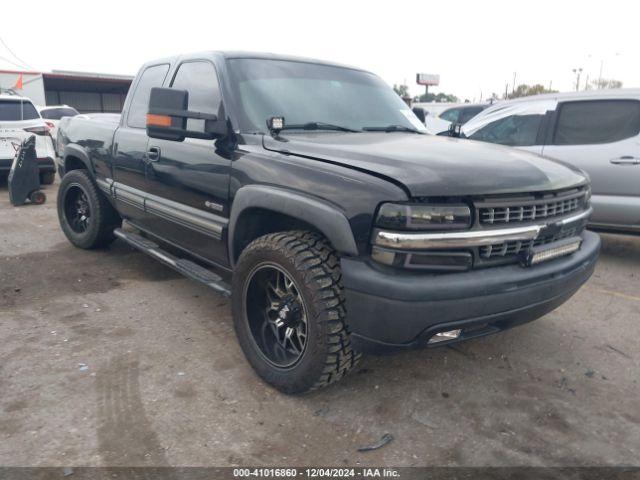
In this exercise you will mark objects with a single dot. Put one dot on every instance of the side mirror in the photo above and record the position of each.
(420, 113)
(455, 130)
(168, 115)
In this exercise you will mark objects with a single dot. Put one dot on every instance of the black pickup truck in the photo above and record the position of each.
(309, 192)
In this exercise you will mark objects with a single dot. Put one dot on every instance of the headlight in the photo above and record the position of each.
(424, 216)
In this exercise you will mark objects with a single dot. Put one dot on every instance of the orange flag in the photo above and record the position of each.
(18, 85)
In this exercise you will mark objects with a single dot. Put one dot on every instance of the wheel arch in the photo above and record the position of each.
(259, 209)
(76, 158)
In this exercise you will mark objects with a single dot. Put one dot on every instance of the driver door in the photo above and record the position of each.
(188, 182)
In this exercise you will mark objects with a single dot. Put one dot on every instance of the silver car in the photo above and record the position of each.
(597, 131)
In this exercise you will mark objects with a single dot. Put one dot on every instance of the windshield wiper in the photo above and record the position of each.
(318, 126)
(392, 128)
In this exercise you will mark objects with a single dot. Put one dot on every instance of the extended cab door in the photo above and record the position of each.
(602, 138)
(188, 182)
(130, 147)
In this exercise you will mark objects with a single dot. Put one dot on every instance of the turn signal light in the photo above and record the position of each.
(158, 120)
(39, 130)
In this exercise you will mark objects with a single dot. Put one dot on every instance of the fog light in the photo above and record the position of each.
(444, 336)
(544, 253)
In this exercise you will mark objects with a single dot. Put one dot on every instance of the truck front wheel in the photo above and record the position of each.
(288, 311)
(86, 216)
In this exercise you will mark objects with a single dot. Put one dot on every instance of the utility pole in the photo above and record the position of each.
(600, 74)
(513, 88)
(577, 71)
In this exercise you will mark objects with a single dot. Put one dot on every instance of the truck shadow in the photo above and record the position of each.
(618, 248)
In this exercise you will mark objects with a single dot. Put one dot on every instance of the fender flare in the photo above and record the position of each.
(78, 152)
(327, 219)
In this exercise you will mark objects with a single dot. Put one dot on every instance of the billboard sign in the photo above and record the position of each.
(427, 79)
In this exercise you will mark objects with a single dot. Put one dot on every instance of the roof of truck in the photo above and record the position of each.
(580, 95)
(229, 54)
(9, 96)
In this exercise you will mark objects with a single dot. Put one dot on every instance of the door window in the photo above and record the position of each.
(514, 130)
(151, 77)
(468, 113)
(200, 80)
(450, 115)
(597, 121)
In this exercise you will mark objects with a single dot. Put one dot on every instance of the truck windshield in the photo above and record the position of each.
(307, 93)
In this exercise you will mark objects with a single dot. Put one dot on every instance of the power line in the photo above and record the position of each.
(14, 55)
(12, 63)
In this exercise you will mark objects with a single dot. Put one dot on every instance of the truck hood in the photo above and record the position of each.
(430, 165)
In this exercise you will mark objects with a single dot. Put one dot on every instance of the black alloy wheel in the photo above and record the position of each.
(276, 315)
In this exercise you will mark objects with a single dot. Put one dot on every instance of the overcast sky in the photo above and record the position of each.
(475, 46)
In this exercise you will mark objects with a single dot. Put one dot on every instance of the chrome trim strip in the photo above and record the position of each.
(104, 185)
(185, 216)
(128, 195)
(178, 213)
(581, 216)
(464, 239)
(467, 238)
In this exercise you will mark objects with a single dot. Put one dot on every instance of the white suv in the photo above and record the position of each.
(598, 131)
(52, 115)
(18, 120)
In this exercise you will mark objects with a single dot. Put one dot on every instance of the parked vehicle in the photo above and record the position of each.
(441, 123)
(309, 191)
(597, 131)
(52, 115)
(19, 119)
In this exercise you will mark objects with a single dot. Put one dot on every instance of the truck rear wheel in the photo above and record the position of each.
(86, 216)
(288, 311)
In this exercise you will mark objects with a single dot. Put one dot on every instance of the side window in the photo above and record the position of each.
(597, 121)
(139, 107)
(29, 112)
(450, 115)
(200, 80)
(514, 130)
(468, 113)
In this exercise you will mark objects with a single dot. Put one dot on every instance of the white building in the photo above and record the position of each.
(86, 92)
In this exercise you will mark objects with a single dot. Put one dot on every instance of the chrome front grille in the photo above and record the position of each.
(514, 248)
(530, 209)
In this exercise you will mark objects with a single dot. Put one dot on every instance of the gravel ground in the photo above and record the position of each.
(108, 358)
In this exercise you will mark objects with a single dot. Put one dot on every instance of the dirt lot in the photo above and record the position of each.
(108, 358)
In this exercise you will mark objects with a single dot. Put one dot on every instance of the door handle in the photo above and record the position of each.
(153, 155)
(625, 160)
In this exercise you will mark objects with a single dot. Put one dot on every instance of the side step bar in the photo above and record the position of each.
(185, 267)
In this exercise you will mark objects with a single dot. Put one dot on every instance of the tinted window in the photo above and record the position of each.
(16, 110)
(200, 80)
(58, 113)
(307, 92)
(598, 121)
(450, 115)
(151, 77)
(468, 113)
(514, 130)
